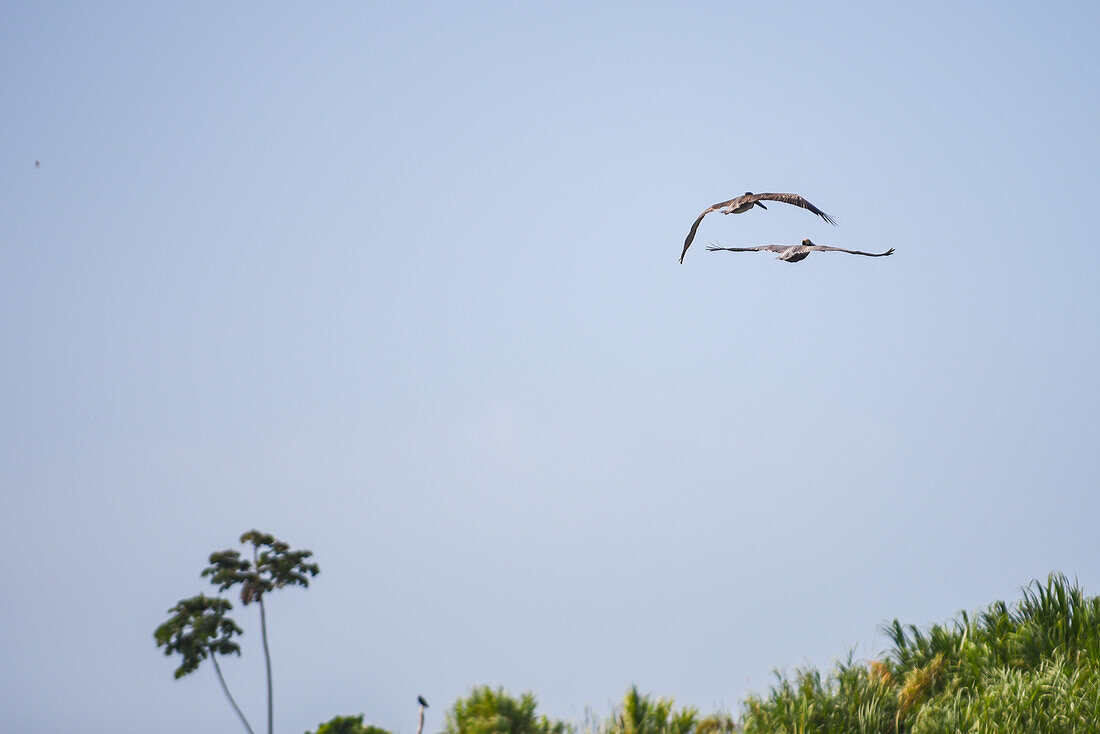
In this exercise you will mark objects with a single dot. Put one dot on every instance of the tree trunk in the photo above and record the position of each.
(218, 669)
(263, 631)
(420, 726)
(267, 659)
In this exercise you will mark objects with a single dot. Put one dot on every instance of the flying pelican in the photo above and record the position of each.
(742, 204)
(794, 253)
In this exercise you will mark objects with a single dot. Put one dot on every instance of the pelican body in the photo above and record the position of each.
(799, 252)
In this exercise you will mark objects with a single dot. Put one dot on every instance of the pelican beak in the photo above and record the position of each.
(761, 206)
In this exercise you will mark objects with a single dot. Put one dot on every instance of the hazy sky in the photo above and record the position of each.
(399, 284)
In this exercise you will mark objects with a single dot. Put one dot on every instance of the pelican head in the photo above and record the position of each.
(755, 203)
(807, 243)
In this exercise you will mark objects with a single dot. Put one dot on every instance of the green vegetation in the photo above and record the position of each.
(199, 628)
(640, 714)
(1032, 668)
(488, 711)
(347, 725)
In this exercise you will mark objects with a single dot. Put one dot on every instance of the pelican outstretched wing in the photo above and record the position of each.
(792, 199)
(758, 248)
(826, 248)
(695, 224)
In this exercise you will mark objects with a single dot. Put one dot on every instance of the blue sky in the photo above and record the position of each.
(399, 284)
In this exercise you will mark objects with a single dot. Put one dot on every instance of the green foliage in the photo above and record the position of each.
(488, 711)
(197, 628)
(640, 714)
(273, 566)
(717, 723)
(1054, 698)
(347, 725)
(1031, 668)
(853, 698)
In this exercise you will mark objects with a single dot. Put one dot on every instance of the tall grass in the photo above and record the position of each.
(640, 713)
(1053, 698)
(1034, 667)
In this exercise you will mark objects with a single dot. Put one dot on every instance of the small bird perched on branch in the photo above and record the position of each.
(795, 253)
(420, 723)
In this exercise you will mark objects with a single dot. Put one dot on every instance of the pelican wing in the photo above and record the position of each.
(695, 224)
(794, 200)
(826, 248)
(758, 248)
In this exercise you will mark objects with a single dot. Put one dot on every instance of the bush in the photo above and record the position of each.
(488, 711)
(347, 725)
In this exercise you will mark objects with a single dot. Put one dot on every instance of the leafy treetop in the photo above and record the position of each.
(273, 566)
(641, 714)
(488, 711)
(198, 628)
(347, 725)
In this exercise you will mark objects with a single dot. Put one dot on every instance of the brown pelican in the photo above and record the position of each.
(743, 203)
(794, 253)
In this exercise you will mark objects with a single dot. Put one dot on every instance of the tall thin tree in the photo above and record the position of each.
(197, 629)
(273, 566)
